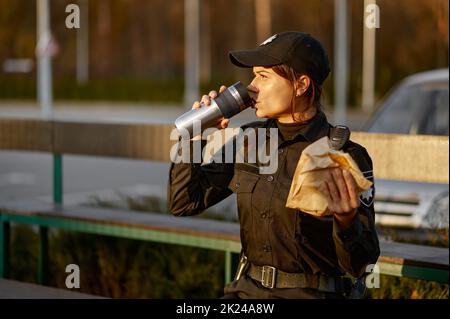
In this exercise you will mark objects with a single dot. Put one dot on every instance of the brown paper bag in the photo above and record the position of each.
(310, 173)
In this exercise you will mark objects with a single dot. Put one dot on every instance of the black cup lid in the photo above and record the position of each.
(243, 93)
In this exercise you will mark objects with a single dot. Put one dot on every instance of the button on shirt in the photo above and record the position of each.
(272, 234)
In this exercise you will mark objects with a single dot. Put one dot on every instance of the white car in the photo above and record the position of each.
(418, 105)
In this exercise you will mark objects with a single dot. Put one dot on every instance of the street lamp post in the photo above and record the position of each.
(340, 62)
(368, 67)
(192, 51)
(43, 54)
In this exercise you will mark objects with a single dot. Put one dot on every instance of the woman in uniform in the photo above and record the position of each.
(286, 253)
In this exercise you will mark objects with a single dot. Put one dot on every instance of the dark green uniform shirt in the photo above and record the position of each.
(272, 234)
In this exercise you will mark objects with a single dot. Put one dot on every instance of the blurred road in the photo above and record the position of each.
(137, 112)
(29, 175)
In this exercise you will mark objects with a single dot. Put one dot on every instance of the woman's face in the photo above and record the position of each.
(272, 93)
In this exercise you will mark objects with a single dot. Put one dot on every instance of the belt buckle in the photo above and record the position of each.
(268, 276)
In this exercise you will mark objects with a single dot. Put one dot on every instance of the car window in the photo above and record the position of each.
(399, 113)
(416, 109)
(436, 121)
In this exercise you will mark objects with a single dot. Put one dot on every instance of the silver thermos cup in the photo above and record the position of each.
(227, 104)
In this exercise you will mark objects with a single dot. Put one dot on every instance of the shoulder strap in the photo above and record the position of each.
(339, 135)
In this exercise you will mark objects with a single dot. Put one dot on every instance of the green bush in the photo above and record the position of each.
(24, 253)
(124, 268)
(120, 268)
(407, 288)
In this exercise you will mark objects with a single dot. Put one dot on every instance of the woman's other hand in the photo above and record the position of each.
(340, 190)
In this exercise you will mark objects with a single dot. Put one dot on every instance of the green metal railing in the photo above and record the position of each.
(96, 228)
(229, 246)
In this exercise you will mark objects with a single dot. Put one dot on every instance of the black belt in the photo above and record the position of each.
(271, 277)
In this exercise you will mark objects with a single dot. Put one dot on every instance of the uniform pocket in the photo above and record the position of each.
(243, 182)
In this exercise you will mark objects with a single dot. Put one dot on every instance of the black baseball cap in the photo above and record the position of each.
(298, 50)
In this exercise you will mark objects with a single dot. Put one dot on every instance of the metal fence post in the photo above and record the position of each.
(4, 248)
(43, 231)
(57, 179)
(43, 255)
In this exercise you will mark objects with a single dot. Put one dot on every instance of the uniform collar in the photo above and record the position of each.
(316, 128)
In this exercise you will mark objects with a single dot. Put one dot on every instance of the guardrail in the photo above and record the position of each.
(391, 155)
